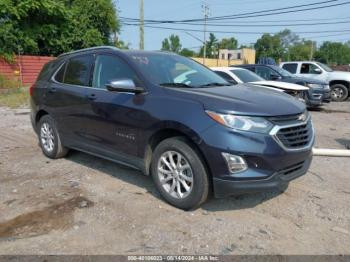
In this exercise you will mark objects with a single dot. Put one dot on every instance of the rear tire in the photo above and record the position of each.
(49, 139)
(339, 92)
(180, 174)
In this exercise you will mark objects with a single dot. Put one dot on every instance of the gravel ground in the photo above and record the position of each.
(85, 205)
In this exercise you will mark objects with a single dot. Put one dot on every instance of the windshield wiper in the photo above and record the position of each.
(175, 85)
(215, 84)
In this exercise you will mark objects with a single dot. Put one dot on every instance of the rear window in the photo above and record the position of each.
(78, 70)
(46, 71)
(292, 67)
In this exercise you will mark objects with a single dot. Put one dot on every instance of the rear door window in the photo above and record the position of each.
(78, 70)
(291, 67)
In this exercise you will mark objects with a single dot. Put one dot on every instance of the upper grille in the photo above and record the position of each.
(298, 136)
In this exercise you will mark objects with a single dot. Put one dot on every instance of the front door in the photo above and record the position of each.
(310, 70)
(114, 117)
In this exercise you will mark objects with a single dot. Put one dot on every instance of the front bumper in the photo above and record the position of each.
(224, 188)
(327, 96)
(318, 96)
(270, 165)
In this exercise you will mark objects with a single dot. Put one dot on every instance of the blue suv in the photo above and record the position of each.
(173, 119)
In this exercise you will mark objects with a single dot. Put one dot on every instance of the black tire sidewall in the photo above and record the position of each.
(50, 121)
(200, 188)
(346, 92)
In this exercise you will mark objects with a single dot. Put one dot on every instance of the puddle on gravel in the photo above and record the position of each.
(56, 217)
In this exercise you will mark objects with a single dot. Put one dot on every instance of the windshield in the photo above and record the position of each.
(282, 71)
(324, 67)
(176, 71)
(246, 76)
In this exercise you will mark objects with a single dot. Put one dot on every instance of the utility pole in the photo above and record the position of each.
(205, 9)
(312, 50)
(142, 24)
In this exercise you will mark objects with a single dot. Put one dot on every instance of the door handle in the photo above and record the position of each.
(91, 96)
(52, 90)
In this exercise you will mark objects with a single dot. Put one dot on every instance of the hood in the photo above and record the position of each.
(242, 99)
(281, 85)
(297, 80)
(339, 75)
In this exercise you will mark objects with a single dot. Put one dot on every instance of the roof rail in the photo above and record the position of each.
(165, 51)
(89, 49)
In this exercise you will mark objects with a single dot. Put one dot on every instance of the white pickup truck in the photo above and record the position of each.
(339, 82)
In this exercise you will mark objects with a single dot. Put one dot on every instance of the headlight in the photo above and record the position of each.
(244, 123)
(314, 85)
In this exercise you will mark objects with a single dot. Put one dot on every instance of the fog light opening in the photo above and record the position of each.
(235, 163)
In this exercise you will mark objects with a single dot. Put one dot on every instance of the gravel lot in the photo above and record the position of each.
(85, 205)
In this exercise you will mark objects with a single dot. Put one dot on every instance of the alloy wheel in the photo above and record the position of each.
(47, 137)
(175, 174)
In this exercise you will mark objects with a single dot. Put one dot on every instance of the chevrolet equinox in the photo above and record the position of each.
(173, 119)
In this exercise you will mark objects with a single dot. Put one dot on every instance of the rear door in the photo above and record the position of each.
(291, 67)
(66, 98)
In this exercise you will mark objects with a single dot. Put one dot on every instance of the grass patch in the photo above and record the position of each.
(9, 83)
(12, 94)
(16, 98)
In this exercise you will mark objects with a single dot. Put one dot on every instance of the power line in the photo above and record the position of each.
(264, 25)
(287, 20)
(328, 35)
(282, 9)
(252, 14)
(275, 21)
(236, 32)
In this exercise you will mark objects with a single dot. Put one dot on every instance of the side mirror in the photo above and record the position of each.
(274, 77)
(124, 86)
(317, 71)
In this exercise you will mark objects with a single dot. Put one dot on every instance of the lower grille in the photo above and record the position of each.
(292, 169)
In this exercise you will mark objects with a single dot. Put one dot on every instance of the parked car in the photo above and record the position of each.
(193, 136)
(337, 80)
(237, 75)
(319, 91)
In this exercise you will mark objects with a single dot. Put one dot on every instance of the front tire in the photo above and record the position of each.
(180, 174)
(339, 92)
(49, 139)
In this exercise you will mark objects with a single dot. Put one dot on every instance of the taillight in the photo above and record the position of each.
(31, 90)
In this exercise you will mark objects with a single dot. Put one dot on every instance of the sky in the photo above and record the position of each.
(191, 9)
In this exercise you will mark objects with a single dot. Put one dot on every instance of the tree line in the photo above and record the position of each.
(283, 46)
(51, 27)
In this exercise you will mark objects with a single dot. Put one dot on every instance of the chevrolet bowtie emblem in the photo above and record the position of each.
(302, 117)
